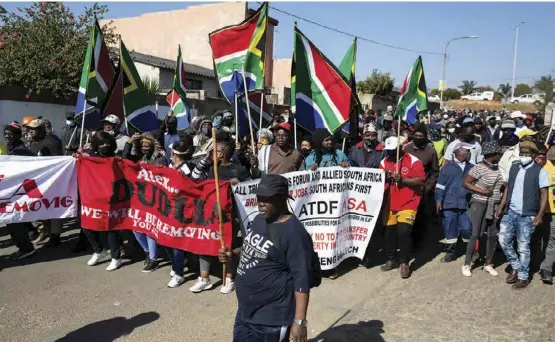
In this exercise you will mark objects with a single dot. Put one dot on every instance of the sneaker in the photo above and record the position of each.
(466, 271)
(405, 271)
(96, 258)
(39, 238)
(492, 272)
(389, 265)
(201, 285)
(147, 259)
(151, 265)
(229, 286)
(114, 265)
(172, 273)
(22, 255)
(176, 281)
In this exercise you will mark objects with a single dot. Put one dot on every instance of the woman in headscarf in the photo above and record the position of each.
(324, 153)
(204, 132)
(265, 137)
(149, 151)
(103, 145)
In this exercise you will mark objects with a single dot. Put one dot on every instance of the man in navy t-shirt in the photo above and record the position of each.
(274, 273)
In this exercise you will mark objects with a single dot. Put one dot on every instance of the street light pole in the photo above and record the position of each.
(445, 62)
(514, 60)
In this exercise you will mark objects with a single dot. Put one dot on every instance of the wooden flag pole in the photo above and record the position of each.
(398, 144)
(248, 109)
(82, 123)
(236, 120)
(220, 215)
(261, 109)
(295, 131)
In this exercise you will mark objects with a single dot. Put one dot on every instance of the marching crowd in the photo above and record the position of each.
(471, 171)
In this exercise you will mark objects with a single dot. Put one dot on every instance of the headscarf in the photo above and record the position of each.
(265, 136)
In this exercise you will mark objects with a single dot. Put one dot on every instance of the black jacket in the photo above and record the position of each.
(70, 140)
(46, 147)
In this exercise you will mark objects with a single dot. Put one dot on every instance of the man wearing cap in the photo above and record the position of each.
(467, 136)
(452, 200)
(387, 128)
(511, 155)
(71, 133)
(518, 119)
(279, 157)
(491, 131)
(275, 271)
(41, 143)
(111, 124)
(523, 211)
(405, 177)
(479, 129)
(369, 152)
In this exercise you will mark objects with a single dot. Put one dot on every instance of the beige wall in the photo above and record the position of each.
(281, 73)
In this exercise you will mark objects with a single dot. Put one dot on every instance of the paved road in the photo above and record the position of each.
(55, 297)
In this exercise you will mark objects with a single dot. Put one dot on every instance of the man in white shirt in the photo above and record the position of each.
(467, 136)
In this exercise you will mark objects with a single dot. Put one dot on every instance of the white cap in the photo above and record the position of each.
(112, 119)
(464, 145)
(389, 108)
(517, 114)
(391, 143)
(446, 116)
(369, 128)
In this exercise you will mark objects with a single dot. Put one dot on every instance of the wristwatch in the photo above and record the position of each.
(301, 322)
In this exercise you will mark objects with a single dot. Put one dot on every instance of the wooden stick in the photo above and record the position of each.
(248, 110)
(220, 214)
(398, 143)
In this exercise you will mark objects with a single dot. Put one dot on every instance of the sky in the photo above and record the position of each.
(426, 27)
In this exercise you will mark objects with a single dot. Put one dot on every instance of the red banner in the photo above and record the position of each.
(158, 201)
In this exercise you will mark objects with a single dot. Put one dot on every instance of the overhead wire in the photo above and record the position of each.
(352, 35)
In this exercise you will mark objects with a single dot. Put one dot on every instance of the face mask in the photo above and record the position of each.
(492, 124)
(205, 129)
(146, 152)
(110, 132)
(70, 123)
(525, 160)
(494, 166)
(390, 154)
(469, 138)
(104, 150)
(451, 130)
(418, 142)
(305, 151)
(370, 143)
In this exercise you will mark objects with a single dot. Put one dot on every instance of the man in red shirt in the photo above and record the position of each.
(405, 178)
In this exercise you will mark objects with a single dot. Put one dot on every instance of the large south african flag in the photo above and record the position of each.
(241, 47)
(414, 98)
(321, 95)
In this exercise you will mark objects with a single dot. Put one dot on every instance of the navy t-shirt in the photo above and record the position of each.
(267, 279)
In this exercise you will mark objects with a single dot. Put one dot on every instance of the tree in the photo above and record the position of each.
(545, 86)
(42, 47)
(152, 86)
(485, 88)
(435, 91)
(379, 83)
(521, 89)
(504, 89)
(451, 94)
(467, 87)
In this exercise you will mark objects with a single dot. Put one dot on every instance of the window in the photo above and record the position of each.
(193, 84)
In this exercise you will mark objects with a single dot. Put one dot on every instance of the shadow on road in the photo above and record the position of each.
(369, 331)
(110, 329)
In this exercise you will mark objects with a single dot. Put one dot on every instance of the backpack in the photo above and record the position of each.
(315, 270)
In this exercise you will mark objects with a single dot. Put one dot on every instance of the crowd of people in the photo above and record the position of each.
(470, 171)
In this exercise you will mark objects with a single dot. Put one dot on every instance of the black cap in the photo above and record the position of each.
(273, 185)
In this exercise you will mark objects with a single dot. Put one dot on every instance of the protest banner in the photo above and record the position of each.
(37, 188)
(337, 206)
(157, 201)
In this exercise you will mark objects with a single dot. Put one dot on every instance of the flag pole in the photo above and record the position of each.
(236, 120)
(71, 138)
(295, 131)
(83, 122)
(261, 109)
(248, 109)
(220, 215)
(343, 148)
(398, 143)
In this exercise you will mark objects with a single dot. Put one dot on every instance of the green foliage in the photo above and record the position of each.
(378, 83)
(467, 87)
(545, 86)
(152, 86)
(42, 47)
(504, 89)
(435, 91)
(451, 94)
(522, 88)
(485, 88)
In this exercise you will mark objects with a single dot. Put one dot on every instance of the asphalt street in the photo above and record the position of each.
(54, 296)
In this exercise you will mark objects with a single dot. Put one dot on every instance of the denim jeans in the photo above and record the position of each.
(455, 222)
(148, 244)
(513, 223)
(247, 332)
(177, 257)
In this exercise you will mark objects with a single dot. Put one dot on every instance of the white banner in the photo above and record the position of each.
(37, 188)
(338, 207)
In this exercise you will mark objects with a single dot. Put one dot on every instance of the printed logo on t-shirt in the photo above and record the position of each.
(255, 247)
(404, 171)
